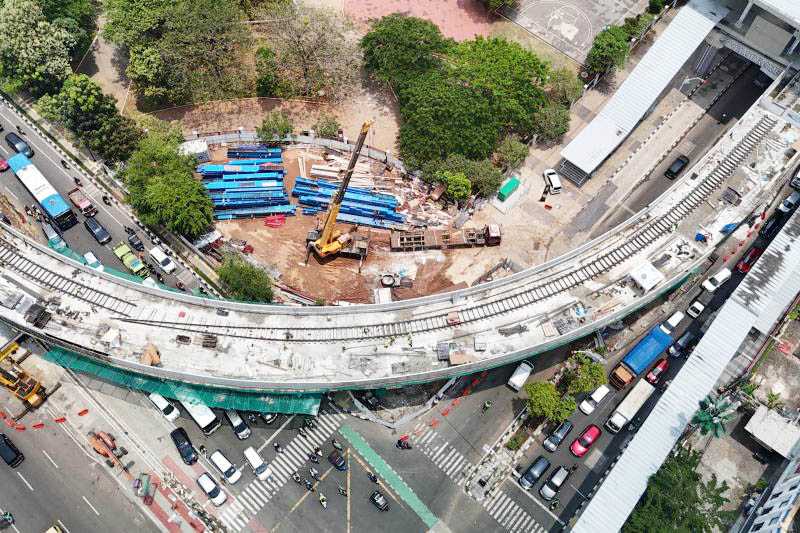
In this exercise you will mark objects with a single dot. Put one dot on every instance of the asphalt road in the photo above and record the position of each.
(114, 219)
(58, 483)
(733, 103)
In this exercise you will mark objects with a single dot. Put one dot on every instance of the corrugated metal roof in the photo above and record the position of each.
(758, 301)
(639, 91)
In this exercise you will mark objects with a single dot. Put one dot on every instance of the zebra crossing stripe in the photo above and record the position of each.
(456, 466)
(443, 460)
(438, 452)
(502, 507)
(511, 515)
(493, 503)
(248, 505)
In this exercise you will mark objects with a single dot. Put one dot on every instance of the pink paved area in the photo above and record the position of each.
(459, 19)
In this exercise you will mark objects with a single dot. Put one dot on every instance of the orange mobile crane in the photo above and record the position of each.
(329, 241)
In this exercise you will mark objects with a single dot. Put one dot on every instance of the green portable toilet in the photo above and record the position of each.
(508, 189)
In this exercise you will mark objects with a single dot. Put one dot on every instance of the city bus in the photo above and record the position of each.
(53, 205)
(204, 417)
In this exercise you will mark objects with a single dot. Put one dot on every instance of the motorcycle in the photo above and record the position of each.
(159, 277)
(296, 478)
(336, 444)
(6, 519)
(318, 450)
(302, 432)
(78, 182)
(323, 501)
(180, 286)
(314, 473)
(313, 458)
(309, 423)
(403, 445)
(64, 164)
(129, 230)
(342, 491)
(554, 504)
(277, 447)
(106, 199)
(372, 477)
(251, 417)
(309, 485)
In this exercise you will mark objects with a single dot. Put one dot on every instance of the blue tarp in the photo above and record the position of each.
(250, 212)
(256, 176)
(241, 185)
(647, 350)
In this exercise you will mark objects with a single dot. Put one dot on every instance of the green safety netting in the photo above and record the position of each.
(307, 404)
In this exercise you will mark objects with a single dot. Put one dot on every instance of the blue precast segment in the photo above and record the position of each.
(250, 212)
(241, 185)
(256, 176)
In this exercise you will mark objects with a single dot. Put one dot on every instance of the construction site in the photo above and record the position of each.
(394, 235)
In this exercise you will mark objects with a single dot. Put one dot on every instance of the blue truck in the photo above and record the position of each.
(640, 357)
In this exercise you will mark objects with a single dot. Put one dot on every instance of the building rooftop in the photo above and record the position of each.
(774, 431)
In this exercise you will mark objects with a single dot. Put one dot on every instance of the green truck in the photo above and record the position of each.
(129, 259)
(508, 189)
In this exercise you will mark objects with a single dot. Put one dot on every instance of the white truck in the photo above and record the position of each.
(520, 376)
(628, 407)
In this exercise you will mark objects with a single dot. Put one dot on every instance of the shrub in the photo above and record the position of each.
(655, 6)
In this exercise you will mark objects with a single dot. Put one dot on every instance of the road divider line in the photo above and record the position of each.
(60, 523)
(90, 505)
(387, 472)
(50, 458)
(276, 433)
(25, 481)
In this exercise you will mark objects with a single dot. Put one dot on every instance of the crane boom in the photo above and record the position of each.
(329, 241)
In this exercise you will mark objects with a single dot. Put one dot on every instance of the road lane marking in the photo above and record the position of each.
(60, 523)
(276, 433)
(12, 194)
(90, 505)
(349, 469)
(534, 500)
(51, 459)
(25, 481)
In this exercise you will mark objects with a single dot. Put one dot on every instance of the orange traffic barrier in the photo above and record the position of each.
(83, 412)
(60, 420)
(38, 425)
(19, 427)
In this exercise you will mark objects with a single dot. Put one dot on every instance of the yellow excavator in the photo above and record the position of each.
(329, 241)
(22, 385)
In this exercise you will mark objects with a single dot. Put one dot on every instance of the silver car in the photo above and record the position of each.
(553, 484)
(558, 436)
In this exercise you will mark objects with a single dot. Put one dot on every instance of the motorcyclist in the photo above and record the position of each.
(277, 447)
(372, 477)
(336, 444)
(342, 491)
(296, 477)
(318, 450)
(323, 500)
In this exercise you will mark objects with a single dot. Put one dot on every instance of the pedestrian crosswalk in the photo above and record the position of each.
(510, 515)
(255, 496)
(443, 454)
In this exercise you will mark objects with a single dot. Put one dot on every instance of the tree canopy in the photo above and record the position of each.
(162, 187)
(511, 152)
(33, 51)
(544, 400)
(400, 48)
(609, 50)
(551, 122)
(484, 177)
(678, 501)
(245, 281)
(82, 108)
(458, 186)
(585, 375)
(275, 126)
(181, 51)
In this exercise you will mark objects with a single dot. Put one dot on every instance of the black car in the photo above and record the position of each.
(772, 226)
(99, 233)
(534, 472)
(684, 344)
(268, 418)
(10, 453)
(135, 242)
(337, 461)
(379, 500)
(16, 143)
(676, 167)
(184, 446)
(557, 436)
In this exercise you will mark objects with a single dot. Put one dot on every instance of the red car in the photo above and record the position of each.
(582, 444)
(655, 373)
(3, 165)
(749, 259)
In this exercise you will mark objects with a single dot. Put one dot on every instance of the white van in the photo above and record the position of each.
(260, 469)
(163, 263)
(552, 181)
(669, 325)
(165, 406)
(239, 426)
(520, 376)
(225, 467)
(204, 417)
(589, 404)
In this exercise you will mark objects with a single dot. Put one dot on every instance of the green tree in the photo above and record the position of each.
(585, 375)
(655, 6)
(544, 400)
(551, 122)
(508, 76)
(244, 281)
(510, 153)
(609, 50)
(275, 127)
(117, 138)
(774, 401)
(314, 50)
(327, 126)
(494, 5)
(635, 26)
(483, 175)
(458, 185)
(147, 72)
(677, 500)
(268, 77)
(713, 415)
(32, 50)
(441, 116)
(162, 187)
(134, 22)
(564, 86)
(399, 48)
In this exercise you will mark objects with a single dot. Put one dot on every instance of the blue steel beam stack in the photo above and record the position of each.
(360, 206)
(251, 185)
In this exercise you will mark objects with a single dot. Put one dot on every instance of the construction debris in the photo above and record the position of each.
(412, 241)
